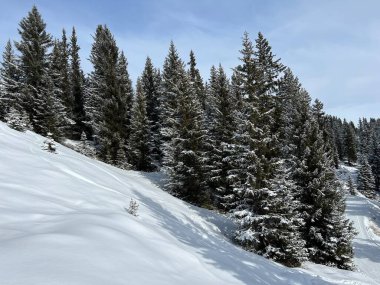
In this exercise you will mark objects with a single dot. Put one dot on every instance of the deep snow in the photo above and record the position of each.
(63, 221)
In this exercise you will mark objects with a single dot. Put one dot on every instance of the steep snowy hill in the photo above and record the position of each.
(63, 221)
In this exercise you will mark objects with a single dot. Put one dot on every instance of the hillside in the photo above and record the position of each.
(63, 221)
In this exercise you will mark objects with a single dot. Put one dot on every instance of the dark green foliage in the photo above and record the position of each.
(275, 225)
(110, 97)
(197, 81)
(349, 138)
(183, 132)
(150, 84)
(221, 130)
(366, 181)
(140, 142)
(327, 233)
(10, 97)
(34, 65)
(77, 90)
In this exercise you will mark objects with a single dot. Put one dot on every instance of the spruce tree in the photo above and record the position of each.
(110, 96)
(140, 142)
(150, 84)
(34, 65)
(349, 138)
(274, 229)
(366, 181)
(221, 131)
(183, 132)
(327, 233)
(10, 97)
(77, 90)
(257, 155)
(196, 80)
(375, 164)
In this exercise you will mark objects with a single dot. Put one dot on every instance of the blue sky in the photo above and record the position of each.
(333, 46)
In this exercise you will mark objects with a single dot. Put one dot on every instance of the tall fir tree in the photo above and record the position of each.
(77, 91)
(10, 82)
(183, 132)
(110, 94)
(34, 65)
(221, 133)
(327, 233)
(349, 138)
(196, 80)
(140, 142)
(151, 86)
(366, 181)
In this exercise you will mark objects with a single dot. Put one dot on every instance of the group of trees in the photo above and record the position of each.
(252, 145)
(358, 146)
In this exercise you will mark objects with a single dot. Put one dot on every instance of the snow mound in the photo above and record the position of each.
(64, 221)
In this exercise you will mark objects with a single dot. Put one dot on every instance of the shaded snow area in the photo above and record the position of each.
(63, 220)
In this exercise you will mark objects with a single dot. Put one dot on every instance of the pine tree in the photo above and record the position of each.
(150, 84)
(221, 131)
(196, 80)
(34, 64)
(77, 90)
(327, 233)
(274, 229)
(366, 181)
(375, 164)
(126, 94)
(349, 142)
(183, 131)
(110, 95)
(10, 97)
(140, 143)
(264, 227)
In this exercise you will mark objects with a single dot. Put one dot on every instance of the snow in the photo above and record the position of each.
(64, 221)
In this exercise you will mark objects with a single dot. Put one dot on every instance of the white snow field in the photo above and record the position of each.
(63, 221)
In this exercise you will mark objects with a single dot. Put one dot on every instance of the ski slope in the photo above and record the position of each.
(366, 217)
(63, 221)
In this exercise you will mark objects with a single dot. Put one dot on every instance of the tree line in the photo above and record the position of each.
(253, 145)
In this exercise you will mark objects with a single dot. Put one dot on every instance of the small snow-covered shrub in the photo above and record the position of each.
(133, 207)
(49, 144)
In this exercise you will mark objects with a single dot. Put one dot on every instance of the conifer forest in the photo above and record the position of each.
(247, 143)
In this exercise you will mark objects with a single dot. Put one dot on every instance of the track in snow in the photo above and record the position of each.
(366, 245)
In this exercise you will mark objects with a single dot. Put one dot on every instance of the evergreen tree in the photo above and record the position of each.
(140, 143)
(58, 73)
(375, 164)
(221, 131)
(77, 90)
(274, 229)
(183, 132)
(327, 233)
(350, 142)
(34, 64)
(366, 181)
(151, 86)
(197, 81)
(126, 94)
(110, 95)
(10, 97)
(256, 144)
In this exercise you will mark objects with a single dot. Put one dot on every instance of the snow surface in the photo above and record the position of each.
(63, 220)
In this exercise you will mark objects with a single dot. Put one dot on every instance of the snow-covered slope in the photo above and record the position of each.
(63, 221)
